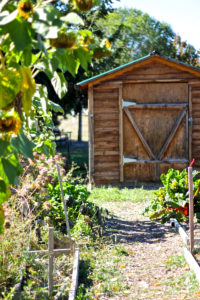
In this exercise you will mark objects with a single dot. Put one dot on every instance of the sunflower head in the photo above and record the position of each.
(25, 8)
(10, 123)
(85, 5)
(64, 40)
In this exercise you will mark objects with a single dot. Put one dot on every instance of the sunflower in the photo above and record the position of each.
(85, 5)
(64, 40)
(25, 9)
(10, 123)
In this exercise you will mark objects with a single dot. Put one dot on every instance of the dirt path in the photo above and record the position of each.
(155, 268)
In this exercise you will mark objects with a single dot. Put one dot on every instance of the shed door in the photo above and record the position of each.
(155, 138)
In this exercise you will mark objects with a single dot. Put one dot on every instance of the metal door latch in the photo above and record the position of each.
(190, 121)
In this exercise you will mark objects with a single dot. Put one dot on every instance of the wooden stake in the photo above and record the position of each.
(190, 125)
(64, 204)
(74, 285)
(51, 256)
(191, 208)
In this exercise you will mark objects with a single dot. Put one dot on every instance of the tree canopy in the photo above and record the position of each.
(136, 34)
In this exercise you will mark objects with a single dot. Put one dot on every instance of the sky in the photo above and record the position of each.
(182, 15)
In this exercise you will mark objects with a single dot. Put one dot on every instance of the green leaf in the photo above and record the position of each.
(73, 18)
(3, 146)
(10, 83)
(67, 62)
(4, 191)
(23, 145)
(27, 56)
(172, 204)
(47, 13)
(7, 17)
(11, 168)
(2, 173)
(3, 3)
(60, 84)
(28, 89)
(19, 33)
(47, 31)
(55, 107)
(84, 57)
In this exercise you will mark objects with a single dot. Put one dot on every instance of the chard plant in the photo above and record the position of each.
(172, 200)
(35, 37)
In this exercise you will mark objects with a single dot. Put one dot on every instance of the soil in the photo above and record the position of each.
(152, 246)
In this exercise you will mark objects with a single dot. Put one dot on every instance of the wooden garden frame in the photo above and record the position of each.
(189, 241)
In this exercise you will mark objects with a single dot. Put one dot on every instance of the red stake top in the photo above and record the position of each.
(192, 162)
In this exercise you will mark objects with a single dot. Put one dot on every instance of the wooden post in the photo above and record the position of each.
(191, 208)
(121, 135)
(190, 124)
(91, 133)
(51, 256)
(64, 204)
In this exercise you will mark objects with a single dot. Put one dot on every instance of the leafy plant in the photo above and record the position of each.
(34, 38)
(42, 190)
(172, 200)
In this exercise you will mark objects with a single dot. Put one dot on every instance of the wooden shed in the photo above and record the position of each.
(144, 118)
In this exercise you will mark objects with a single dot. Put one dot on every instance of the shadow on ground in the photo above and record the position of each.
(137, 231)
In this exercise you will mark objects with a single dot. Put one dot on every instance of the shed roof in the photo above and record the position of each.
(136, 63)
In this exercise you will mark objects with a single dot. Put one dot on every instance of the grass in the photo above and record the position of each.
(104, 194)
(79, 155)
(176, 261)
(104, 276)
(187, 281)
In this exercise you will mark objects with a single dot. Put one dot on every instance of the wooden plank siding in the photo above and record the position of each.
(165, 99)
(195, 128)
(106, 136)
(155, 70)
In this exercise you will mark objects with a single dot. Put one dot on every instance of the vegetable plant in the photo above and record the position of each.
(172, 200)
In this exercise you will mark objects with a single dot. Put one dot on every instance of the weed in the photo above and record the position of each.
(175, 261)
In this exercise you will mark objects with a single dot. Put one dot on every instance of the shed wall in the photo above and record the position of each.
(143, 85)
(195, 94)
(106, 136)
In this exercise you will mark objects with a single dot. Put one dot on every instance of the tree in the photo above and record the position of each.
(137, 34)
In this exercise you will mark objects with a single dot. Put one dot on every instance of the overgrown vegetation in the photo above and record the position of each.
(36, 205)
(172, 200)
